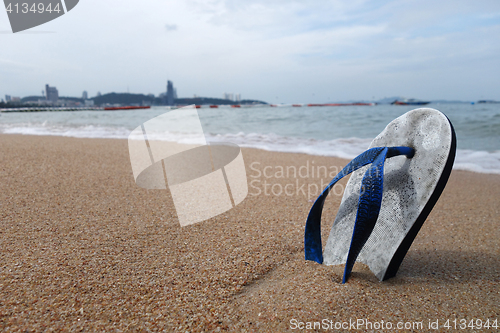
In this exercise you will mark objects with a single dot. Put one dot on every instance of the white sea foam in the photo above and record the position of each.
(478, 161)
(87, 131)
(469, 160)
(347, 148)
(344, 148)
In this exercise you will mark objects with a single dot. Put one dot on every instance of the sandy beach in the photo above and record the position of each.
(83, 248)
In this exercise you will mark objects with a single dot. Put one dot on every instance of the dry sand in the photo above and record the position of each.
(83, 248)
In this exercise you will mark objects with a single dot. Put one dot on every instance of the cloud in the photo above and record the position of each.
(263, 49)
(171, 27)
(277, 18)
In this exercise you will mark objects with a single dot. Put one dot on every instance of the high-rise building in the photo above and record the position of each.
(237, 97)
(170, 93)
(85, 95)
(228, 96)
(7, 98)
(51, 94)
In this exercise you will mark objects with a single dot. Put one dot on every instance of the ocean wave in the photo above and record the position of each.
(478, 161)
(347, 148)
(86, 131)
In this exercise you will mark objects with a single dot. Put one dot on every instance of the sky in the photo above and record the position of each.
(271, 50)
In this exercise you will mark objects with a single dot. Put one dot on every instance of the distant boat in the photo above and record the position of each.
(410, 101)
(488, 101)
(125, 107)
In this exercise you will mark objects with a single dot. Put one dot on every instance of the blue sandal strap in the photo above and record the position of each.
(312, 237)
(370, 199)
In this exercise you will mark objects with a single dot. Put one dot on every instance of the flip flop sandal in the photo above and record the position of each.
(392, 189)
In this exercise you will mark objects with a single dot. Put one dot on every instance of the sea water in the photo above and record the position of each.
(342, 131)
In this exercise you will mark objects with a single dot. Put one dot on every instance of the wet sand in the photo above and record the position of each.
(83, 248)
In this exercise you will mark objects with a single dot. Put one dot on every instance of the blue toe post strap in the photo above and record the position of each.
(369, 203)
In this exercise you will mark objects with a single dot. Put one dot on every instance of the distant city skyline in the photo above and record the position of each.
(277, 51)
(226, 96)
(51, 94)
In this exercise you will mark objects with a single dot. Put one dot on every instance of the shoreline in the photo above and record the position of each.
(82, 247)
(462, 160)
